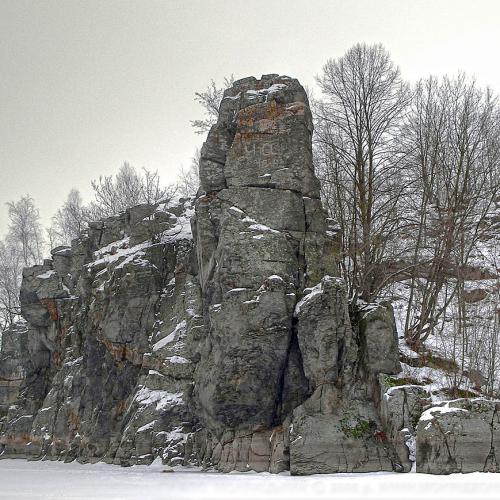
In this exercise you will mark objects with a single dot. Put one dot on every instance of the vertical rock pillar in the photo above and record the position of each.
(261, 236)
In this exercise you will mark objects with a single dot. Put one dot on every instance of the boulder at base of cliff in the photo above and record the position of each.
(459, 436)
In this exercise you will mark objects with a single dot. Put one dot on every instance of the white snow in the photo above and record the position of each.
(476, 352)
(311, 293)
(237, 96)
(178, 332)
(179, 360)
(251, 94)
(182, 228)
(162, 399)
(275, 277)
(404, 349)
(431, 412)
(103, 257)
(119, 244)
(23, 480)
(174, 436)
(254, 94)
(439, 380)
(262, 227)
(181, 231)
(147, 427)
(46, 274)
(411, 444)
(74, 362)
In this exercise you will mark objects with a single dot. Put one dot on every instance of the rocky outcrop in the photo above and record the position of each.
(13, 367)
(213, 331)
(101, 368)
(401, 407)
(459, 436)
(338, 429)
(262, 237)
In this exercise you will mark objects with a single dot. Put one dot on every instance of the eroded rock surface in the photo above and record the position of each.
(213, 331)
(13, 366)
(262, 236)
(102, 366)
(401, 407)
(338, 429)
(459, 436)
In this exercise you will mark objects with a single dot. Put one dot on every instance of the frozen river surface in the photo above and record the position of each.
(20, 479)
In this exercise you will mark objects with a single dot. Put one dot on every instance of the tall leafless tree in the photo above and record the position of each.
(357, 122)
(188, 180)
(453, 149)
(69, 221)
(11, 263)
(210, 99)
(25, 230)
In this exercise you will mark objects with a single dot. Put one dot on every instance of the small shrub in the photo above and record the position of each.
(360, 429)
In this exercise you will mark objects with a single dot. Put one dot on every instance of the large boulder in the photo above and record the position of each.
(337, 429)
(379, 339)
(400, 410)
(459, 436)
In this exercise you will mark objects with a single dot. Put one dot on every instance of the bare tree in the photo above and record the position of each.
(188, 180)
(210, 99)
(151, 190)
(453, 148)
(127, 188)
(25, 230)
(69, 221)
(357, 122)
(10, 281)
(22, 247)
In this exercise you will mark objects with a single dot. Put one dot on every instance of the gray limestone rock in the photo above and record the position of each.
(209, 332)
(93, 380)
(459, 436)
(255, 228)
(13, 358)
(333, 433)
(379, 339)
(338, 429)
(400, 408)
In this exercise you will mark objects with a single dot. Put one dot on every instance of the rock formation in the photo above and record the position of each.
(213, 331)
(459, 436)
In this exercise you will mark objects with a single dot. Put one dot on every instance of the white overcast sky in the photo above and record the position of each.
(87, 85)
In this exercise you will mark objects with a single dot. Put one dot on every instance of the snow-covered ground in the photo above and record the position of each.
(20, 479)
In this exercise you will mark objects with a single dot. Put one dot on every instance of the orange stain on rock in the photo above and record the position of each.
(51, 307)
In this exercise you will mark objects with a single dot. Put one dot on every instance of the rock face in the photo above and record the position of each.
(400, 409)
(261, 237)
(213, 331)
(338, 429)
(101, 368)
(459, 436)
(13, 367)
